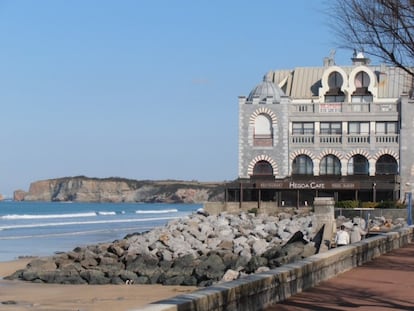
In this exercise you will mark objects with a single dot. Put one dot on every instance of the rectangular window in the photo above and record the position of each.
(331, 128)
(302, 128)
(358, 128)
(334, 98)
(386, 127)
(365, 99)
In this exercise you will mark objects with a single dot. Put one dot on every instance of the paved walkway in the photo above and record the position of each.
(386, 283)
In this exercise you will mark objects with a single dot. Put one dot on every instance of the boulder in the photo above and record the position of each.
(211, 267)
(94, 277)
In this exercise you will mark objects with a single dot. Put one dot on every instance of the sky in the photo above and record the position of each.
(141, 89)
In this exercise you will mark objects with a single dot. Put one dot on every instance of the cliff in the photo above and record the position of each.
(86, 189)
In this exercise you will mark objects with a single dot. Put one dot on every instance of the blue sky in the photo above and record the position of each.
(140, 89)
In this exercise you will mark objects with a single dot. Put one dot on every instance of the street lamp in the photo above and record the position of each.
(374, 192)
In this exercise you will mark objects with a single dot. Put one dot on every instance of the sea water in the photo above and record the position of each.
(44, 228)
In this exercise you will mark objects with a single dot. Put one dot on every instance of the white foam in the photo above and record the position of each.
(18, 237)
(46, 216)
(71, 223)
(163, 211)
(106, 213)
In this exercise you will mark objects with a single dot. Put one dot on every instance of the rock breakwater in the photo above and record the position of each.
(196, 250)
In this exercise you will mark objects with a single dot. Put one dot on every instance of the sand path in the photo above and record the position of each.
(18, 295)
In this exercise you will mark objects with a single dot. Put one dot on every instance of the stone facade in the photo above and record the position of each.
(343, 130)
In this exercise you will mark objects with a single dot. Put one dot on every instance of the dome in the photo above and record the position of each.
(266, 89)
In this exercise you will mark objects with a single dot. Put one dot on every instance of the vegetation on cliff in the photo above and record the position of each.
(116, 189)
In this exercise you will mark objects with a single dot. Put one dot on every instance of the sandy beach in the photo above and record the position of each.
(19, 295)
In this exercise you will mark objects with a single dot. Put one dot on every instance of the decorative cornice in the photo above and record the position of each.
(328, 152)
(296, 153)
(356, 152)
(389, 152)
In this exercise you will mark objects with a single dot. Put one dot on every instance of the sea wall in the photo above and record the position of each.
(258, 291)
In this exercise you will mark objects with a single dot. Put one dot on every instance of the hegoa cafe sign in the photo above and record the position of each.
(311, 185)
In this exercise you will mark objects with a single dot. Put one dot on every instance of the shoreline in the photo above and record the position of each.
(16, 295)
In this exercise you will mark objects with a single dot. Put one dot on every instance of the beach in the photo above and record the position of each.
(19, 295)
(39, 229)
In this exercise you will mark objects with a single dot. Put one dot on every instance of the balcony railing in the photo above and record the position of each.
(348, 139)
(330, 139)
(303, 139)
(262, 140)
(387, 139)
(358, 139)
(340, 107)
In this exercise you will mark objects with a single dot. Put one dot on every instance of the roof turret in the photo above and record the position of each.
(266, 89)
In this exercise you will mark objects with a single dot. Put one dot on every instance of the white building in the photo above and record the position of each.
(340, 131)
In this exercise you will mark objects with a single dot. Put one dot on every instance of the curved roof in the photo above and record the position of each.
(266, 89)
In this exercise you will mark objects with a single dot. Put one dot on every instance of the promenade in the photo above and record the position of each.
(385, 283)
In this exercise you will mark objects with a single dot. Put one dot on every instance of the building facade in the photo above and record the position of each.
(341, 131)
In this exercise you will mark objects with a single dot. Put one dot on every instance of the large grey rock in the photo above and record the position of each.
(259, 247)
(143, 265)
(182, 266)
(230, 275)
(210, 268)
(94, 277)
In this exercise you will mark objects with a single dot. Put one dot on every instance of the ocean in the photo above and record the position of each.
(44, 228)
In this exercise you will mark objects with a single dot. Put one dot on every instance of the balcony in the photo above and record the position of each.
(262, 140)
(330, 139)
(345, 139)
(303, 139)
(387, 139)
(358, 139)
(344, 108)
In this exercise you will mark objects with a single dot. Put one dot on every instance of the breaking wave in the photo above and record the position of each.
(163, 211)
(92, 222)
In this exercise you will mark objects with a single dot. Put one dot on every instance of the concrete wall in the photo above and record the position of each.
(261, 290)
(406, 161)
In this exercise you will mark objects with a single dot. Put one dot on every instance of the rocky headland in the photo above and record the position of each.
(115, 190)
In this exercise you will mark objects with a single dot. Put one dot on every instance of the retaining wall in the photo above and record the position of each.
(261, 290)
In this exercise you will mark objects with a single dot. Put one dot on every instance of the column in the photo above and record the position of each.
(325, 215)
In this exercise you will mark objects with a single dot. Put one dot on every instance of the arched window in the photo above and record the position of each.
(362, 80)
(263, 168)
(335, 94)
(361, 94)
(330, 165)
(335, 80)
(386, 165)
(358, 165)
(302, 165)
(263, 131)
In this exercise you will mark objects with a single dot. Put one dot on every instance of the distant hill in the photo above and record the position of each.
(116, 189)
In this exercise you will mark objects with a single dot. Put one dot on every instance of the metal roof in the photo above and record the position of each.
(304, 82)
